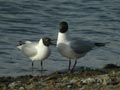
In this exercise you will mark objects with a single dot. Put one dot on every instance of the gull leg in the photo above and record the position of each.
(74, 65)
(32, 66)
(41, 65)
(69, 65)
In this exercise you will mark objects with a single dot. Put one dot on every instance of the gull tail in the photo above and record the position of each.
(100, 44)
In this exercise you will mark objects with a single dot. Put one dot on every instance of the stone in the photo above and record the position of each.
(88, 81)
(21, 88)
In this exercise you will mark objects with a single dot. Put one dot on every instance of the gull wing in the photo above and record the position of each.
(80, 46)
(29, 49)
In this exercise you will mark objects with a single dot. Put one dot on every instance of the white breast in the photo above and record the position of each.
(63, 46)
(43, 52)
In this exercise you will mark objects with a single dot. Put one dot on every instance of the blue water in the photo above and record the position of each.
(96, 20)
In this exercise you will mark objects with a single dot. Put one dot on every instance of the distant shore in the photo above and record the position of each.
(107, 78)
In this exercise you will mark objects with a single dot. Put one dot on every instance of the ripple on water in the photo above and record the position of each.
(97, 20)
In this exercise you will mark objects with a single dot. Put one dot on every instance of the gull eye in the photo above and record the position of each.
(20, 42)
(46, 39)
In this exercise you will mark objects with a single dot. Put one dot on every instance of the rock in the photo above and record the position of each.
(111, 66)
(50, 85)
(88, 81)
(41, 83)
(103, 79)
(14, 85)
(78, 84)
(3, 86)
(69, 86)
(30, 87)
(65, 78)
(107, 79)
(73, 81)
(21, 88)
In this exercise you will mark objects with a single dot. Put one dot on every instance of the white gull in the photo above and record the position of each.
(36, 50)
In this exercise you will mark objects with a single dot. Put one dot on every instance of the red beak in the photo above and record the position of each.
(53, 42)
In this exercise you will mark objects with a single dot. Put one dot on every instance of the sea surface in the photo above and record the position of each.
(95, 20)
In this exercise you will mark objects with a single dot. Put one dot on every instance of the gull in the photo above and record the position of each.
(36, 51)
(73, 49)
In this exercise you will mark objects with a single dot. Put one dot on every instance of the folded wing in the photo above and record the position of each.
(29, 49)
(81, 46)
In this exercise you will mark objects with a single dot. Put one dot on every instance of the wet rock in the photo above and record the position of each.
(111, 66)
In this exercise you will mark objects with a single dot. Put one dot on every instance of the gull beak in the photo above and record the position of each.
(19, 43)
(53, 42)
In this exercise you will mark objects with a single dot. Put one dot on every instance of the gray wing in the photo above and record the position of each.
(29, 49)
(80, 46)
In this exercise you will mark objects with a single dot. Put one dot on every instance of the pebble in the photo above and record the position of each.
(14, 84)
(73, 81)
(88, 81)
(21, 88)
(65, 82)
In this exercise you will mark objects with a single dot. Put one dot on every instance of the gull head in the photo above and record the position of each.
(47, 41)
(63, 27)
(20, 44)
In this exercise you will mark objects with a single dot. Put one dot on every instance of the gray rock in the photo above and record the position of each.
(106, 79)
(30, 87)
(14, 85)
(21, 88)
(73, 81)
(88, 81)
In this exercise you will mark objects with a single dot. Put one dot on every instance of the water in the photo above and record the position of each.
(96, 20)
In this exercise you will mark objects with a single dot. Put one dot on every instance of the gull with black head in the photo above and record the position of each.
(36, 51)
(73, 48)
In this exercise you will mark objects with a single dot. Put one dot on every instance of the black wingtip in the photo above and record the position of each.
(100, 44)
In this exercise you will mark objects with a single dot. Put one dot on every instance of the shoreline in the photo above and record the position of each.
(89, 79)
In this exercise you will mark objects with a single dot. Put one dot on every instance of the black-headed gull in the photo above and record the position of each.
(73, 48)
(36, 50)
